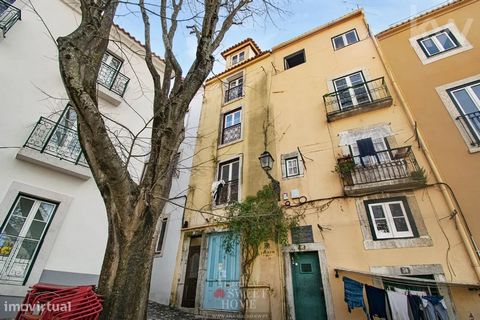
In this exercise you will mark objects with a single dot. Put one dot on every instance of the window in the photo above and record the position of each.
(351, 90)
(292, 167)
(109, 74)
(232, 126)
(438, 42)
(467, 101)
(370, 151)
(345, 39)
(234, 89)
(228, 174)
(21, 237)
(294, 59)
(239, 57)
(161, 237)
(419, 288)
(390, 218)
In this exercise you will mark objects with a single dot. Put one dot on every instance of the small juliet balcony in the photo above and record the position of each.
(227, 192)
(362, 97)
(391, 169)
(232, 133)
(470, 123)
(112, 79)
(57, 147)
(16, 257)
(9, 15)
(233, 93)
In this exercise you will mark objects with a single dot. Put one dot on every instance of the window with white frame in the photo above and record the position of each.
(234, 89)
(438, 42)
(229, 175)
(345, 39)
(467, 101)
(390, 219)
(352, 90)
(161, 237)
(291, 167)
(239, 57)
(21, 237)
(232, 126)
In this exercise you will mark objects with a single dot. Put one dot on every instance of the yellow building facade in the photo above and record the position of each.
(442, 48)
(349, 162)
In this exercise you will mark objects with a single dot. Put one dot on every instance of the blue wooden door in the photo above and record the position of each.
(222, 287)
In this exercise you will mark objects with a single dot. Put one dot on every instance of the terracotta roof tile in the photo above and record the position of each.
(128, 34)
(256, 47)
(261, 54)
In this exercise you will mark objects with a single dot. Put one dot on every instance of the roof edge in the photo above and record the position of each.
(357, 12)
(450, 5)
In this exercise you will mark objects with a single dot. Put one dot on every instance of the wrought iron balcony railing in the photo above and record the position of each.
(470, 122)
(56, 140)
(227, 193)
(233, 93)
(366, 94)
(386, 165)
(232, 133)
(112, 79)
(9, 14)
(16, 257)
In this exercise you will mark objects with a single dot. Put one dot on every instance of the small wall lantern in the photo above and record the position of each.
(266, 161)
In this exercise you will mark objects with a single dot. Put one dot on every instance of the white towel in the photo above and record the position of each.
(398, 305)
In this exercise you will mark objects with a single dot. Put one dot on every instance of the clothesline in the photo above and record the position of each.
(395, 304)
(408, 280)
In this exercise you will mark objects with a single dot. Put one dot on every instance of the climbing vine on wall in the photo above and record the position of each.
(258, 220)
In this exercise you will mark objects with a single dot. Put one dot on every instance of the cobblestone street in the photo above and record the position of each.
(162, 312)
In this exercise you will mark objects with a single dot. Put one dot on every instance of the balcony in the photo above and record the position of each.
(232, 133)
(57, 147)
(391, 169)
(8, 16)
(227, 193)
(233, 93)
(16, 257)
(470, 123)
(112, 79)
(360, 98)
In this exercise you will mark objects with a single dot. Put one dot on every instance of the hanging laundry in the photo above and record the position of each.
(366, 147)
(398, 305)
(415, 304)
(377, 304)
(435, 307)
(353, 294)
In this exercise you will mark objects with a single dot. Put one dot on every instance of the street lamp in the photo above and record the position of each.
(266, 161)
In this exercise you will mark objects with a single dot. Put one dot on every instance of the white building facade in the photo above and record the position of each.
(53, 226)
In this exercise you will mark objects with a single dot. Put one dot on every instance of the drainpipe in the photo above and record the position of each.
(466, 239)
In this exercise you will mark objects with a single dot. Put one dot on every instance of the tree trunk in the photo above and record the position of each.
(126, 271)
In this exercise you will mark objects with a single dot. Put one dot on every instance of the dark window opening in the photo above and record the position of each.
(295, 59)
(161, 238)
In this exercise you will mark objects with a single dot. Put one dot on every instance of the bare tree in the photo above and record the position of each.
(133, 209)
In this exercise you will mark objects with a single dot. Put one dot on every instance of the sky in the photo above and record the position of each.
(302, 16)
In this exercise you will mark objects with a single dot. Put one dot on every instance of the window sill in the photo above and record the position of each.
(232, 101)
(229, 144)
(51, 162)
(423, 241)
(473, 150)
(293, 177)
(108, 95)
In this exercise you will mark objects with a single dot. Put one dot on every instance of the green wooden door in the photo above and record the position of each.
(308, 292)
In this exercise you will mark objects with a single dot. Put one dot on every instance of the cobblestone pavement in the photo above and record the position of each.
(161, 312)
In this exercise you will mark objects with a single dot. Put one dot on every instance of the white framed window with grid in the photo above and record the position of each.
(390, 219)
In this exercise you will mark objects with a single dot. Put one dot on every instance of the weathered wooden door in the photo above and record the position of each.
(191, 276)
(222, 286)
(308, 292)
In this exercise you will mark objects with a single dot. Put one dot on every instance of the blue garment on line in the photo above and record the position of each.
(353, 294)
